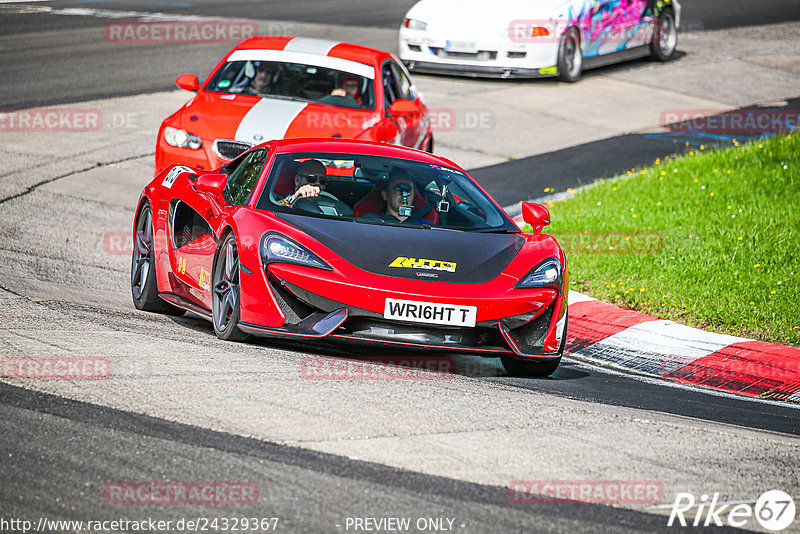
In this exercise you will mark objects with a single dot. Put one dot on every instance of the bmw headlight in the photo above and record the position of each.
(276, 248)
(181, 138)
(547, 273)
(414, 24)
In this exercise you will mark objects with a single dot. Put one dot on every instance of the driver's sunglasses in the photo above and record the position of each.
(312, 178)
(350, 84)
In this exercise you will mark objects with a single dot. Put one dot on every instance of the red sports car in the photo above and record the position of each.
(275, 87)
(353, 241)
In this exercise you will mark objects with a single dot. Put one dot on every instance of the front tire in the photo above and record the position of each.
(665, 40)
(535, 368)
(144, 285)
(226, 291)
(570, 57)
(529, 368)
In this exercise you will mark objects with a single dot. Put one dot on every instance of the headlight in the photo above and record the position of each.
(180, 138)
(276, 248)
(413, 24)
(547, 273)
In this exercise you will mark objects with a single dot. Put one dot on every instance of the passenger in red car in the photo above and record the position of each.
(398, 194)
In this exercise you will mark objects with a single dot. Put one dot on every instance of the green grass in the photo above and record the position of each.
(713, 239)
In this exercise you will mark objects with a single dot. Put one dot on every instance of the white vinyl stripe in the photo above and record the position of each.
(345, 65)
(310, 45)
(270, 119)
(656, 348)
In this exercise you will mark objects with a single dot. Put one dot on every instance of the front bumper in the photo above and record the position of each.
(202, 158)
(477, 71)
(492, 56)
(311, 316)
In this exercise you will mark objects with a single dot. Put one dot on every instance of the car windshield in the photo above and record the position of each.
(380, 190)
(297, 81)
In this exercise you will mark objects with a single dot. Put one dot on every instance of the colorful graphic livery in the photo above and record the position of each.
(514, 38)
(275, 87)
(352, 241)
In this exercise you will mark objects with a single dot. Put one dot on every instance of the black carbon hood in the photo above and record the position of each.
(416, 253)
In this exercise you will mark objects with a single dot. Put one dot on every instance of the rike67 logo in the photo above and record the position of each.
(774, 510)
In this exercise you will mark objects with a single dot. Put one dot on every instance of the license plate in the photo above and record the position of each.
(430, 312)
(461, 46)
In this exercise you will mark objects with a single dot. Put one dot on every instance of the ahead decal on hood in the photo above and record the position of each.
(268, 119)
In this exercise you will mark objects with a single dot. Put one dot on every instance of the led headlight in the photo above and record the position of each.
(413, 24)
(276, 248)
(180, 138)
(547, 273)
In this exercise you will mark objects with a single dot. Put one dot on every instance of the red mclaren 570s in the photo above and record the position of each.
(352, 241)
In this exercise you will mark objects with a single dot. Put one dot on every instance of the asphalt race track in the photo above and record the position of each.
(66, 66)
(183, 406)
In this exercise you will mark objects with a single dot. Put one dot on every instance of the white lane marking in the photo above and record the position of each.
(269, 119)
(316, 60)
(112, 14)
(310, 45)
(656, 348)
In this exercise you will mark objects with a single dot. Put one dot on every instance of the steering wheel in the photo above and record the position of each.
(325, 203)
(321, 194)
(341, 101)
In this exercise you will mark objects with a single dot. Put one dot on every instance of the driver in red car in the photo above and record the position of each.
(349, 88)
(309, 181)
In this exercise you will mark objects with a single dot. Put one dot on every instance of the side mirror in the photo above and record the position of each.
(213, 184)
(402, 107)
(536, 215)
(188, 81)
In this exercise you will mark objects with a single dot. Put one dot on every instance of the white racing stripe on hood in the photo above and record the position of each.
(309, 45)
(270, 119)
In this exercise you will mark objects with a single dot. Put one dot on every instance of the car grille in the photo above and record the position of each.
(229, 149)
(481, 55)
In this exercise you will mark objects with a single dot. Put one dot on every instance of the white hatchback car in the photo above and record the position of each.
(515, 38)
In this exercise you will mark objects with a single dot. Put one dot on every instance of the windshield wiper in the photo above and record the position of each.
(378, 222)
(284, 97)
(494, 230)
